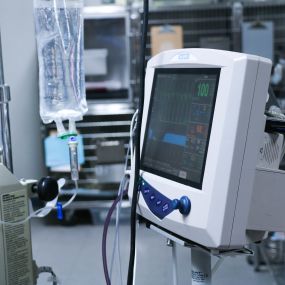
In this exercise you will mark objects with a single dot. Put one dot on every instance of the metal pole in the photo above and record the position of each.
(201, 267)
(6, 147)
(1, 65)
(173, 246)
(237, 19)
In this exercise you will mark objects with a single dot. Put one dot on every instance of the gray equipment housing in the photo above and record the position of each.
(16, 263)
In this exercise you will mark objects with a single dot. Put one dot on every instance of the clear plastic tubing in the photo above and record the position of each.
(59, 31)
(73, 154)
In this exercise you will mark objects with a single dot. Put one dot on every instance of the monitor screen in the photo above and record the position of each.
(179, 123)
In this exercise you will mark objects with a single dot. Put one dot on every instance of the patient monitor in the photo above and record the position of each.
(202, 130)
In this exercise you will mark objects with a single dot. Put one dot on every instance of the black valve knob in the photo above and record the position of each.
(47, 189)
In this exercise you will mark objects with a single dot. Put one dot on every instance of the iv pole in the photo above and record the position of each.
(5, 138)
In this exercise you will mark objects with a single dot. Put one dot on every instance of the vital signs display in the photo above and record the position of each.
(179, 123)
(202, 126)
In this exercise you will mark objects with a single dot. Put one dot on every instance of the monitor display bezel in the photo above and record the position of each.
(197, 71)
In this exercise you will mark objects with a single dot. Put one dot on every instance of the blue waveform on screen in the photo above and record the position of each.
(175, 139)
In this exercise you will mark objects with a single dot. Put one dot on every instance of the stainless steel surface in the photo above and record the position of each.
(104, 11)
(106, 135)
(6, 136)
(109, 109)
(237, 20)
(98, 205)
(197, 21)
(269, 11)
(102, 124)
(109, 173)
(5, 94)
(1, 64)
(1, 84)
(6, 145)
(222, 20)
(107, 27)
(182, 5)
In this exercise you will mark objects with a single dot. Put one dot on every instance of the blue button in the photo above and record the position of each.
(152, 197)
(158, 203)
(146, 191)
(165, 207)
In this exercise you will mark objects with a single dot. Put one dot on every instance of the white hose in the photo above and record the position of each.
(132, 128)
(116, 244)
(123, 183)
(36, 214)
(73, 196)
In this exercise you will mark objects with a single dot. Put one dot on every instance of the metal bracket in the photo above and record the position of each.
(202, 270)
(5, 136)
(214, 252)
(5, 96)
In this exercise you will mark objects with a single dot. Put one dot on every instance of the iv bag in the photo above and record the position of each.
(59, 33)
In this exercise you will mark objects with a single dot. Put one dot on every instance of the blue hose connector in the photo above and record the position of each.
(59, 211)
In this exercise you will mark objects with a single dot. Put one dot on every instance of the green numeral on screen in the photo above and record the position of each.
(203, 89)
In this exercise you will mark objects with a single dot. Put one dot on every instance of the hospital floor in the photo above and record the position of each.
(74, 252)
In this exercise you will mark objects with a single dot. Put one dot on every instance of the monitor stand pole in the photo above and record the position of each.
(201, 266)
(202, 271)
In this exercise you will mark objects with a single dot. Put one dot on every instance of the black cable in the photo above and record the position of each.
(137, 144)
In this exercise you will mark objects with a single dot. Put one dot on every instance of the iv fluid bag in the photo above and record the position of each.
(59, 32)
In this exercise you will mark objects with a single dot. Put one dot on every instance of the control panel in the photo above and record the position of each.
(160, 205)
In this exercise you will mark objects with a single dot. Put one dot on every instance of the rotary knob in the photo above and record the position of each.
(183, 205)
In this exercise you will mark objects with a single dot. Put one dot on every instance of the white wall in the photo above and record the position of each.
(20, 69)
